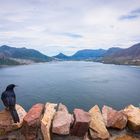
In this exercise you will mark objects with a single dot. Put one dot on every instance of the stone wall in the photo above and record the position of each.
(54, 122)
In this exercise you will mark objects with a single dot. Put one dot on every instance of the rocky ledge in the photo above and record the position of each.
(54, 122)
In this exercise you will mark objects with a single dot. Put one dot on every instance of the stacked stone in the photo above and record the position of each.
(31, 122)
(81, 123)
(6, 121)
(45, 121)
(62, 121)
(50, 110)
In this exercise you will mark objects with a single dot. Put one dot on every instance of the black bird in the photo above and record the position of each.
(9, 100)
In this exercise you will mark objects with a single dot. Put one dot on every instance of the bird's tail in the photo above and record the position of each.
(14, 114)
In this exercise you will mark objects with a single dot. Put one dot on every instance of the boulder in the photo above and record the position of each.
(81, 123)
(49, 113)
(62, 121)
(133, 114)
(63, 108)
(97, 126)
(31, 122)
(114, 118)
(6, 121)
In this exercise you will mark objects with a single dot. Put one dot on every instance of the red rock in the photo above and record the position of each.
(33, 115)
(81, 123)
(61, 123)
(63, 108)
(114, 118)
(31, 122)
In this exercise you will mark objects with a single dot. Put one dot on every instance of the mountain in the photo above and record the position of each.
(129, 56)
(130, 53)
(23, 53)
(16, 56)
(112, 51)
(61, 56)
(88, 54)
(114, 55)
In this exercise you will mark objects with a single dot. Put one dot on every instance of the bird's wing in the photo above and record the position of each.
(3, 98)
(8, 99)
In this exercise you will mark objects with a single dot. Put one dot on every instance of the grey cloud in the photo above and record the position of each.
(136, 11)
(52, 26)
(71, 35)
(131, 15)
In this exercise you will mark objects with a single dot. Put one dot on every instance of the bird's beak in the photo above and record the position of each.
(16, 85)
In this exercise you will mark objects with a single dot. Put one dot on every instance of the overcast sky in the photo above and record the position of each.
(53, 26)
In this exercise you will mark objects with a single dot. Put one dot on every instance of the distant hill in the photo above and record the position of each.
(125, 56)
(88, 54)
(61, 56)
(112, 51)
(14, 54)
(130, 53)
(114, 55)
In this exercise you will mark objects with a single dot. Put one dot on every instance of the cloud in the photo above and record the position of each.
(71, 35)
(53, 26)
(136, 11)
(131, 15)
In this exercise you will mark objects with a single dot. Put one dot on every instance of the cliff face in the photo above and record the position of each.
(52, 121)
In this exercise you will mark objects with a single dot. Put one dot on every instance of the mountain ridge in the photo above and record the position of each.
(128, 56)
(115, 55)
(21, 55)
(61, 56)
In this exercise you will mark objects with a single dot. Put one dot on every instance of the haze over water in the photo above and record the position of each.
(76, 84)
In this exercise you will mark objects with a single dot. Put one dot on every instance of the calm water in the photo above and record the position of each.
(76, 84)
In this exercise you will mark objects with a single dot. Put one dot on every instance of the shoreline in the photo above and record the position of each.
(135, 66)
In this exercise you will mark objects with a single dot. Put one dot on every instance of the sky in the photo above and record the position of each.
(54, 26)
